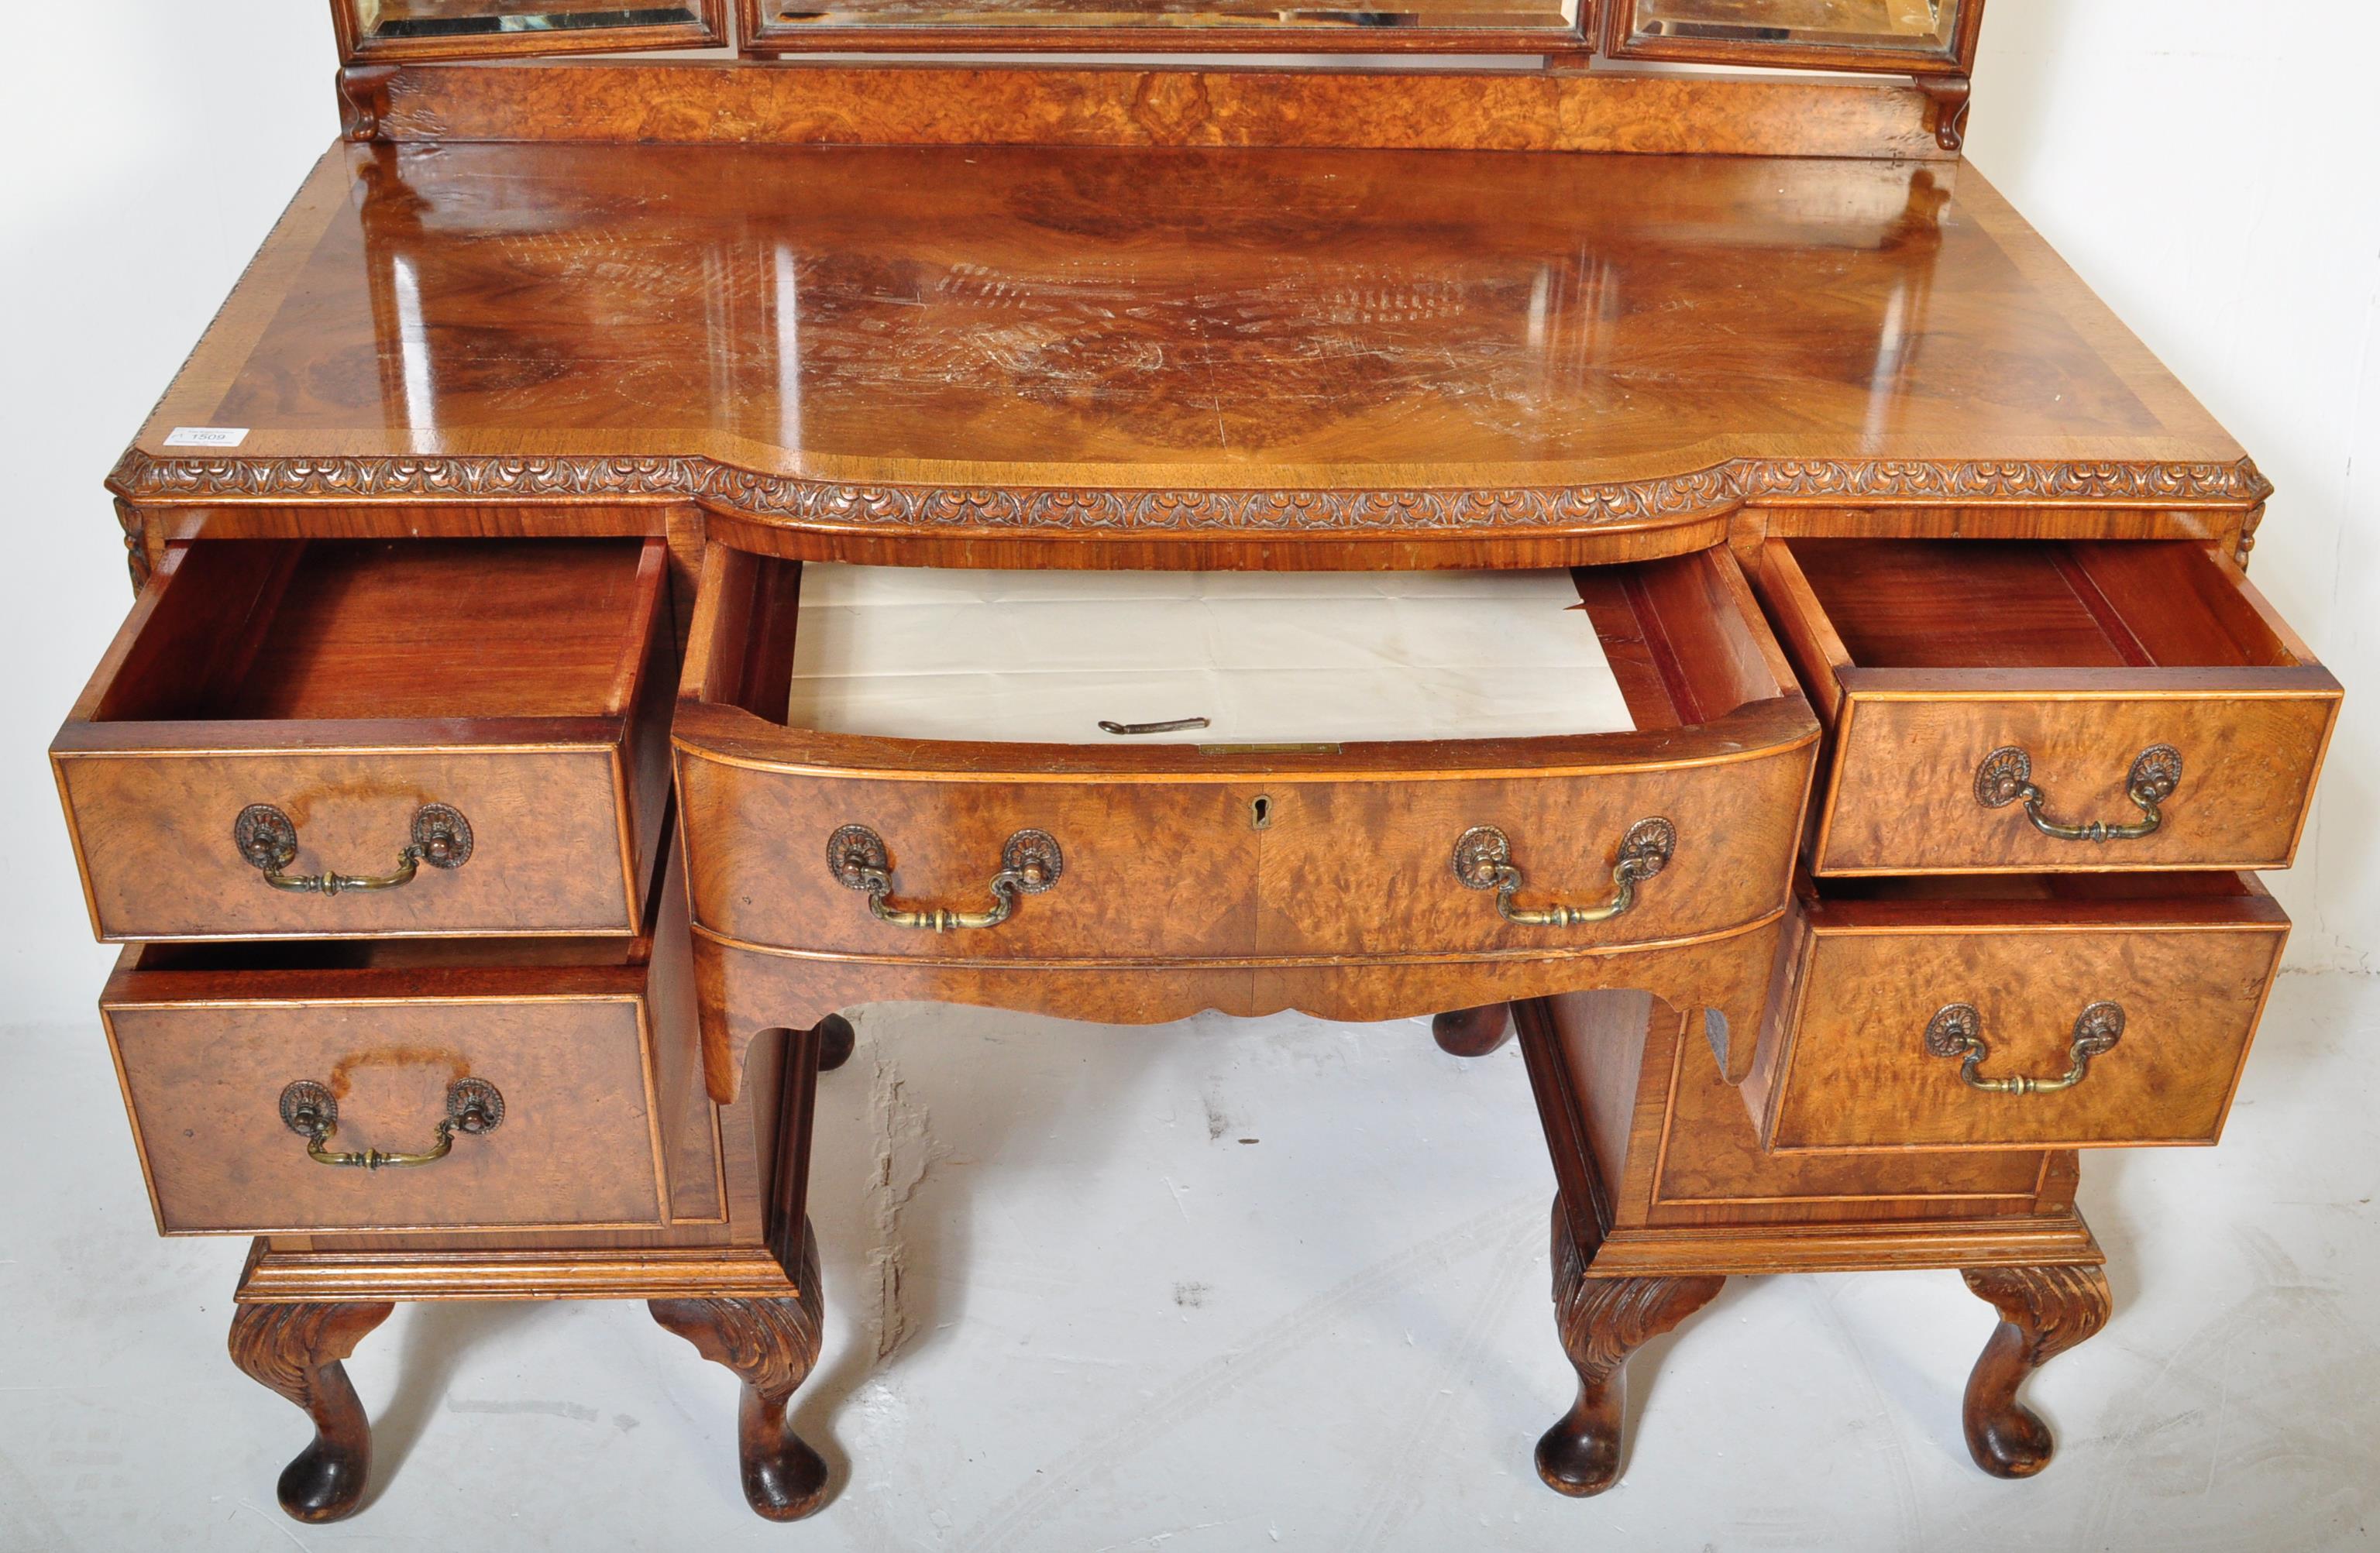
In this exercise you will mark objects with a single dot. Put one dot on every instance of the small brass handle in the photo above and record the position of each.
(1957, 1031)
(2006, 776)
(1483, 860)
(308, 1109)
(1029, 864)
(268, 842)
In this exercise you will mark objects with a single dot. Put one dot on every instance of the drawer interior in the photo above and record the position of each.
(247, 956)
(335, 630)
(1921, 891)
(1679, 634)
(2034, 604)
(1924, 902)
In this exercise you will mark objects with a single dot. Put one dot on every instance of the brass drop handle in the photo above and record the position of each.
(1029, 864)
(1483, 860)
(1957, 1031)
(308, 1109)
(268, 842)
(2006, 776)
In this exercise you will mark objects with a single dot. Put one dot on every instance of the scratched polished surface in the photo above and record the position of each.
(1136, 318)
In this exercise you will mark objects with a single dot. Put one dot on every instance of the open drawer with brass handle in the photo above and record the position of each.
(345, 738)
(817, 842)
(2022, 707)
(2016, 1012)
(413, 1084)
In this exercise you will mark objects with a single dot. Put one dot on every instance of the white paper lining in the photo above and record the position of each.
(1266, 656)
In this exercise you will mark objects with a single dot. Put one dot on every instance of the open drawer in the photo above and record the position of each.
(2053, 1011)
(346, 738)
(1681, 825)
(2049, 705)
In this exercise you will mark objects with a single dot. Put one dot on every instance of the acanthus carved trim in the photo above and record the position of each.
(1603, 1320)
(288, 1347)
(2250, 521)
(1903, 481)
(838, 504)
(2053, 1307)
(771, 1344)
(136, 542)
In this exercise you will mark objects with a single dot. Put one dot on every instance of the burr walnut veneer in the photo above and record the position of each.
(489, 927)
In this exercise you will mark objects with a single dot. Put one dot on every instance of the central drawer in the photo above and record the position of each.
(1680, 827)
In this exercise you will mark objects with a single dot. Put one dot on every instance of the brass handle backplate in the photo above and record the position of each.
(2006, 776)
(1483, 860)
(268, 842)
(1957, 1031)
(308, 1109)
(1029, 864)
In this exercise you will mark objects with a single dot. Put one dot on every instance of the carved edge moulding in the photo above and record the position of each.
(793, 501)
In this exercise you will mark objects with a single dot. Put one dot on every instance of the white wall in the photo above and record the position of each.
(2209, 178)
(2206, 166)
(121, 231)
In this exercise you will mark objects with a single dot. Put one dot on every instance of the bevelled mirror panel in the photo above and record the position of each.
(370, 29)
(1439, 26)
(1923, 36)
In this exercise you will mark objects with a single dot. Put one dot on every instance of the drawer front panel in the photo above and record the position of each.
(1876, 1057)
(576, 1144)
(1902, 797)
(154, 832)
(1357, 867)
(1142, 868)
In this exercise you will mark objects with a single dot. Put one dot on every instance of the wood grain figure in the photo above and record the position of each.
(489, 913)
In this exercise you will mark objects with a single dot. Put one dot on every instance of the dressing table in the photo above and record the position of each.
(491, 914)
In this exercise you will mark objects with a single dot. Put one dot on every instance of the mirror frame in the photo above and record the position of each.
(1957, 58)
(706, 28)
(763, 38)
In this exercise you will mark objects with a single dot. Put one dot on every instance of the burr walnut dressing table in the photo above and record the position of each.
(489, 919)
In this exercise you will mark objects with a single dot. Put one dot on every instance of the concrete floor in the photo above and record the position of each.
(1233, 1286)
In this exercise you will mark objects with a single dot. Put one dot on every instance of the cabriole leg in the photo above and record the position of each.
(1603, 1320)
(295, 1350)
(771, 1344)
(2044, 1312)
